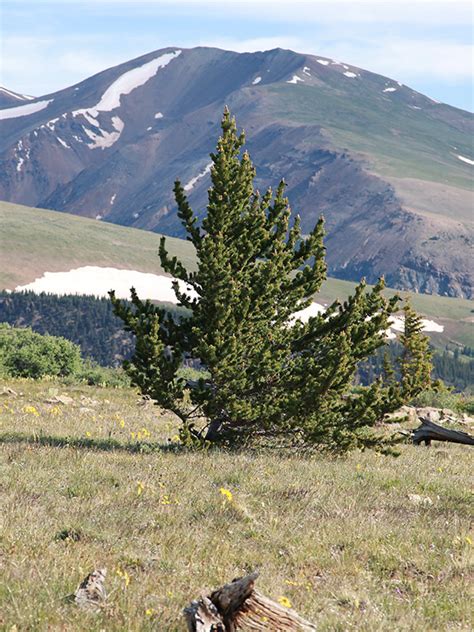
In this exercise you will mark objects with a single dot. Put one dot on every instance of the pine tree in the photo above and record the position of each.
(265, 377)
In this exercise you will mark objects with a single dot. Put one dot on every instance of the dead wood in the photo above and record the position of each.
(429, 431)
(238, 606)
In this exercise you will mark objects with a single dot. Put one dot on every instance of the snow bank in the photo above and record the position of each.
(305, 314)
(24, 110)
(390, 90)
(398, 324)
(256, 80)
(349, 74)
(158, 115)
(323, 62)
(295, 79)
(467, 160)
(105, 139)
(190, 185)
(131, 80)
(97, 281)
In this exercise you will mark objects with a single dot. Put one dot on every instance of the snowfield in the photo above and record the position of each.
(295, 79)
(128, 82)
(97, 281)
(466, 160)
(24, 110)
(190, 185)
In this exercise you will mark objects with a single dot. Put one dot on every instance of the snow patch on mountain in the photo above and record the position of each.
(158, 115)
(349, 74)
(295, 79)
(24, 110)
(60, 140)
(389, 90)
(466, 160)
(256, 81)
(398, 324)
(98, 281)
(103, 138)
(190, 185)
(112, 199)
(306, 71)
(323, 62)
(129, 81)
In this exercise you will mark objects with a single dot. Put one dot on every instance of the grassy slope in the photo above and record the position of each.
(398, 140)
(339, 538)
(34, 241)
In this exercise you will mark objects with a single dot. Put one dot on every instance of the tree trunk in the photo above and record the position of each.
(429, 431)
(237, 606)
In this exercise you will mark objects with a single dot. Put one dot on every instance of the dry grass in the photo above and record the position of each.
(339, 538)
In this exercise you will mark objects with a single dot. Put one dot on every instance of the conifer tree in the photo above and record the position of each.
(265, 376)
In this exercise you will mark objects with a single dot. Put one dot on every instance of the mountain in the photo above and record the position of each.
(389, 168)
(36, 241)
(9, 98)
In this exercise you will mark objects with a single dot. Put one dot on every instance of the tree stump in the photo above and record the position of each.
(238, 606)
(429, 431)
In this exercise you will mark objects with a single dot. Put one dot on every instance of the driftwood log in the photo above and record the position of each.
(429, 431)
(238, 606)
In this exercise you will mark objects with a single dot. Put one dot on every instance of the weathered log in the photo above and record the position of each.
(238, 606)
(429, 431)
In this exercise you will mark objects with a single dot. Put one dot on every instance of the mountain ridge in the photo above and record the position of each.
(382, 162)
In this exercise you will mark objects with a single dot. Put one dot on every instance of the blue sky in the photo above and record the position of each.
(46, 46)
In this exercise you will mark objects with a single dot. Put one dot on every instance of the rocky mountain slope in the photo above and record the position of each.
(389, 168)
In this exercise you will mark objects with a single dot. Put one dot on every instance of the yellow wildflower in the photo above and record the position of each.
(468, 540)
(123, 575)
(122, 423)
(284, 601)
(30, 410)
(88, 434)
(227, 494)
(150, 612)
(55, 410)
(140, 488)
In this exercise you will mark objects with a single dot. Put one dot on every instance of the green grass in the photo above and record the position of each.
(35, 241)
(339, 538)
(396, 140)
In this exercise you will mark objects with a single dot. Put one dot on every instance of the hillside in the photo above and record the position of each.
(35, 241)
(368, 542)
(389, 168)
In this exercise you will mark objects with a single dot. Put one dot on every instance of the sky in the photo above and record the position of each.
(427, 44)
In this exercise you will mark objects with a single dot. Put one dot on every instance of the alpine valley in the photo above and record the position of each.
(389, 168)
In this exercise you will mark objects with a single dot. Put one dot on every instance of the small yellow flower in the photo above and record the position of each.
(150, 612)
(358, 467)
(227, 494)
(291, 583)
(122, 423)
(284, 601)
(30, 410)
(175, 438)
(123, 575)
(132, 434)
(140, 488)
(55, 410)
(468, 540)
(88, 434)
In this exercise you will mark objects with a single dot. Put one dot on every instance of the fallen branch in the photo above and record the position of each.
(429, 431)
(238, 606)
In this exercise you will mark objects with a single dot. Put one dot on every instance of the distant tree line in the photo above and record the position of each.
(454, 368)
(91, 323)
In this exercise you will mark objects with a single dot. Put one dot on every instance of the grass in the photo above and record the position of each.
(339, 538)
(395, 139)
(62, 242)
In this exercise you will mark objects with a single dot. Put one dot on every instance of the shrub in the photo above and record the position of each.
(24, 353)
